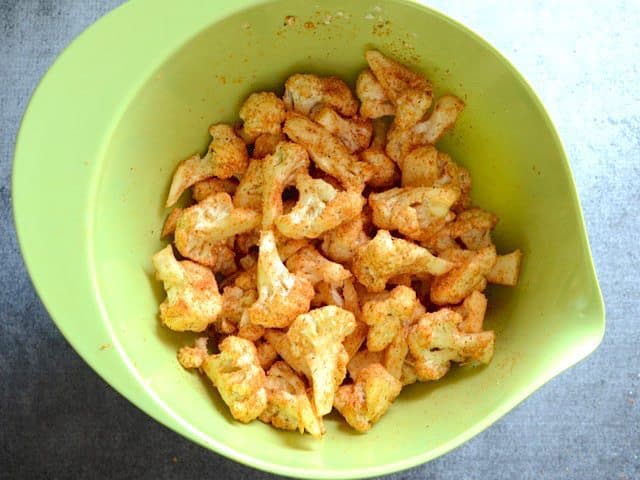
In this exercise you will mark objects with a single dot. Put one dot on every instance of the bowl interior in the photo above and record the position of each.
(504, 137)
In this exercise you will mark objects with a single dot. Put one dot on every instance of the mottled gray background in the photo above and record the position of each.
(58, 419)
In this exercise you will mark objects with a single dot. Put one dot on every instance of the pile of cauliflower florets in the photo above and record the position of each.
(331, 254)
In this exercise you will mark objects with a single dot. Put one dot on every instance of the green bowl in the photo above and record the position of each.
(135, 93)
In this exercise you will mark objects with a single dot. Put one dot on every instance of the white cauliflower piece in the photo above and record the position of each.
(416, 212)
(170, 222)
(328, 152)
(355, 133)
(193, 301)
(193, 357)
(420, 168)
(267, 355)
(473, 228)
(506, 269)
(204, 228)
(316, 339)
(302, 92)
(364, 402)
(340, 243)
(282, 296)
(472, 311)
(362, 359)
(394, 77)
(266, 144)
(374, 102)
(320, 208)
(280, 171)
(385, 317)
(385, 257)
(262, 112)
(249, 191)
(312, 265)
(384, 170)
(288, 405)
(394, 357)
(204, 188)
(411, 106)
(226, 157)
(468, 274)
(435, 341)
(238, 376)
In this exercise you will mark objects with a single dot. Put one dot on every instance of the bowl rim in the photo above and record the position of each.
(24, 215)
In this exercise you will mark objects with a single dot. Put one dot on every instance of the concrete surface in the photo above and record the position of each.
(58, 419)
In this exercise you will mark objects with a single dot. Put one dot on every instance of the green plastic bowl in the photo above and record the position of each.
(135, 93)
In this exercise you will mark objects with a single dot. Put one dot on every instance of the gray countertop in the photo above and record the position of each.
(58, 419)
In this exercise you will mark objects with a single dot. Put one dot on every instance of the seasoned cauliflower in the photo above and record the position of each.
(267, 355)
(472, 312)
(385, 173)
(193, 357)
(385, 317)
(288, 405)
(266, 144)
(394, 77)
(506, 269)
(262, 112)
(420, 168)
(340, 243)
(364, 402)
(414, 211)
(204, 188)
(468, 274)
(312, 265)
(355, 133)
(226, 157)
(355, 339)
(249, 191)
(457, 176)
(316, 339)
(302, 92)
(238, 376)
(282, 296)
(328, 152)
(193, 300)
(204, 228)
(280, 171)
(411, 106)
(374, 102)
(473, 228)
(320, 208)
(362, 359)
(394, 357)
(170, 222)
(385, 257)
(435, 341)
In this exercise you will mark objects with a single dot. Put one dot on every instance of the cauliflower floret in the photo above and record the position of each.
(468, 274)
(506, 269)
(364, 402)
(435, 341)
(279, 341)
(444, 115)
(312, 265)
(327, 294)
(316, 339)
(420, 168)
(170, 222)
(473, 228)
(385, 173)
(204, 188)
(203, 229)
(266, 144)
(385, 317)
(401, 140)
(262, 112)
(355, 133)
(328, 152)
(266, 354)
(414, 211)
(193, 300)
(411, 106)
(374, 102)
(249, 191)
(385, 257)
(361, 360)
(238, 376)
(282, 296)
(280, 170)
(302, 92)
(457, 176)
(394, 77)
(341, 243)
(472, 312)
(394, 357)
(320, 208)
(288, 405)
(226, 157)
(355, 339)
(193, 357)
